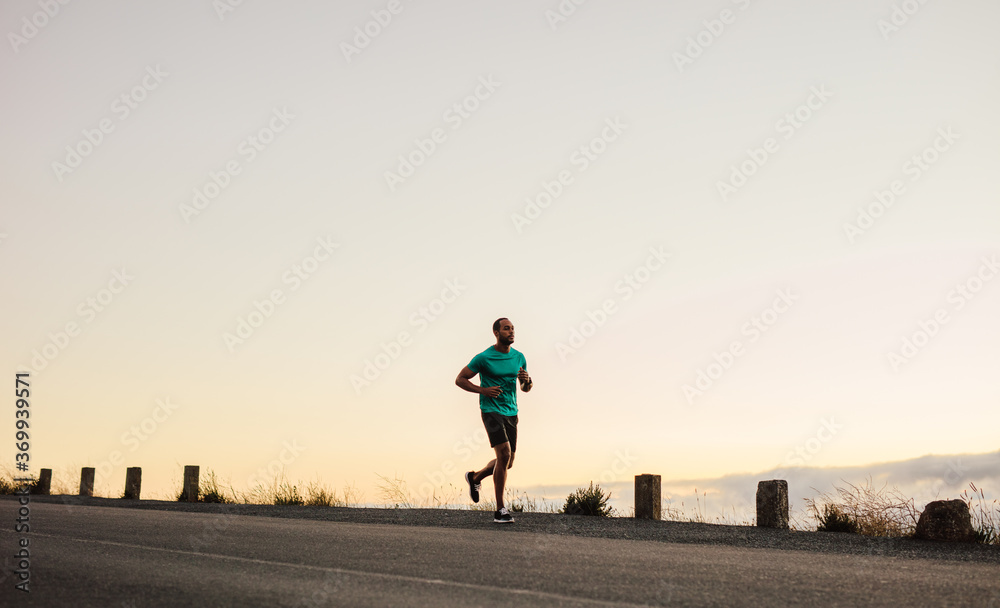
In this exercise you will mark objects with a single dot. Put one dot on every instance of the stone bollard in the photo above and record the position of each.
(87, 481)
(772, 504)
(191, 483)
(44, 485)
(133, 482)
(647, 496)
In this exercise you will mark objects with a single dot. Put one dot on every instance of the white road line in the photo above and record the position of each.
(381, 575)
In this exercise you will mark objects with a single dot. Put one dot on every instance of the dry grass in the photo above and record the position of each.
(515, 502)
(210, 489)
(442, 497)
(65, 481)
(985, 515)
(351, 496)
(697, 513)
(319, 495)
(393, 492)
(279, 491)
(288, 494)
(873, 511)
(733, 519)
(9, 486)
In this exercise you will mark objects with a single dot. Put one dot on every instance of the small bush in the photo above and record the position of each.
(588, 501)
(835, 520)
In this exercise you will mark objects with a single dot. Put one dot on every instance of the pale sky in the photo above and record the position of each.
(759, 216)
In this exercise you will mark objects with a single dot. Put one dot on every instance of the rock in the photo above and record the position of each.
(946, 520)
(772, 504)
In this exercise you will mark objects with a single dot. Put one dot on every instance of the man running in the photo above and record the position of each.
(497, 367)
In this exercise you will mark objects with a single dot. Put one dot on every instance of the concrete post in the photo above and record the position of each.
(44, 485)
(191, 483)
(133, 482)
(87, 481)
(772, 504)
(647, 496)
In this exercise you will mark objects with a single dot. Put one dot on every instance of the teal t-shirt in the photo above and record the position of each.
(498, 369)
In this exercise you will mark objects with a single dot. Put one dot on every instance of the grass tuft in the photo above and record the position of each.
(9, 486)
(393, 492)
(985, 520)
(287, 494)
(352, 496)
(318, 495)
(869, 510)
(211, 490)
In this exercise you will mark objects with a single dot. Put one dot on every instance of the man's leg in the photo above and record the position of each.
(502, 462)
(503, 436)
(484, 472)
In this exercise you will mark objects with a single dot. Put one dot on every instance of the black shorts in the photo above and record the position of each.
(501, 429)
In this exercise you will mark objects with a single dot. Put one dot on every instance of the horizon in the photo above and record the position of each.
(730, 239)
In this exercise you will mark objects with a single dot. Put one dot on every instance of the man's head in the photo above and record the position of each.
(503, 329)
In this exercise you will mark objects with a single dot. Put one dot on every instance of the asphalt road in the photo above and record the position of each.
(85, 555)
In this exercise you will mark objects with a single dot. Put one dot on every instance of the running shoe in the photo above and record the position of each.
(473, 486)
(503, 516)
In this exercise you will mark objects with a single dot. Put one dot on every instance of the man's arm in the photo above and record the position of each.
(525, 379)
(463, 382)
